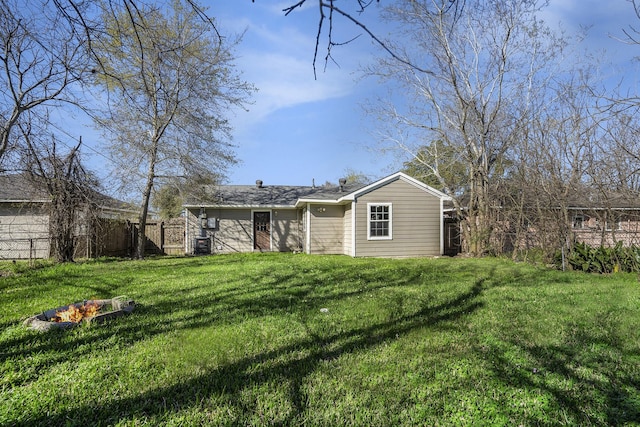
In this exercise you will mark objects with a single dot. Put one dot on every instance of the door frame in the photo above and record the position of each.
(452, 238)
(253, 228)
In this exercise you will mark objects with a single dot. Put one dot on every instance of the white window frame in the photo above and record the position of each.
(390, 221)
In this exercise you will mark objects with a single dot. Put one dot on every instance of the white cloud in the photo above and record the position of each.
(602, 19)
(285, 81)
(279, 62)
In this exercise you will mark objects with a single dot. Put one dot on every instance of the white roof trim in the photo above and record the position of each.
(339, 201)
(25, 201)
(577, 208)
(198, 206)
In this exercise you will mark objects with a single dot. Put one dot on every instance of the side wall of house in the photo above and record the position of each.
(415, 222)
(234, 232)
(24, 232)
(327, 229)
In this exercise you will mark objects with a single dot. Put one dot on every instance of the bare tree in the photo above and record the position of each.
(554, 163)
(352, 12)
(478, 87)
(71, 188)
(41, 58)
(170, 83)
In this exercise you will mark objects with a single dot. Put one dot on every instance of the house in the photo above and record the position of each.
(24, 222)
(396, 216)
(587, 216)
(605, 223)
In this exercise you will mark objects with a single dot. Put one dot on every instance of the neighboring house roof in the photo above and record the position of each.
(17, 188)
(20, 188)
(587, 200)
(244, 196)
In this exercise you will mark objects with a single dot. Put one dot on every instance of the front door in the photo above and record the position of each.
(262, 231)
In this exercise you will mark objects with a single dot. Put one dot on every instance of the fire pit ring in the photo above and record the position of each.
(45, 321)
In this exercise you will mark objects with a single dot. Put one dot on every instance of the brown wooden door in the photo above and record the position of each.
(262, 231)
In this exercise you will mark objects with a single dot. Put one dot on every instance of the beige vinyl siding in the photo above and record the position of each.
(416, 222)
(327, 229)
(286, 230)
(24, 232)
(234, 233)
(235, 229)
(348, 230)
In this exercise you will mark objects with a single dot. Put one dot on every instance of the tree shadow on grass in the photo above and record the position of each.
(589, 376)
(198, 306)
(233, 304)
(289, 365)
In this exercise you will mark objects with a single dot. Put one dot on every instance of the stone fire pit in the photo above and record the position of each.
(106, 309)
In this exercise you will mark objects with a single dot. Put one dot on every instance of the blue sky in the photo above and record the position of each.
(300, 129)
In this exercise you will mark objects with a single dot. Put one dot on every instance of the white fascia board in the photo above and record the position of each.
(575, 208)
(255, 207)
(302, 202)
(26, 201)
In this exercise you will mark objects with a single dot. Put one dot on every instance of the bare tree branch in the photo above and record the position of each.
(326, 12)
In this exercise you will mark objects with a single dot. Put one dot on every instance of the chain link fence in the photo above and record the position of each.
(36, 248)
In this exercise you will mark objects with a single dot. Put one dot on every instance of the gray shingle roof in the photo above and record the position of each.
(269, 195)
(18, 188)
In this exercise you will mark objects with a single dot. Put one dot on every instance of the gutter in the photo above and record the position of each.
(198, 206)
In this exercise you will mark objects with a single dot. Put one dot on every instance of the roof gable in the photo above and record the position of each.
(391, 178)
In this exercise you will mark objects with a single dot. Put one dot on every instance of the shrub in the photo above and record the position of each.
(602, 259)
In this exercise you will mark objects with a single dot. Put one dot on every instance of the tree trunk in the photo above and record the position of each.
(146, 198)
(61, 219)
(479, 215)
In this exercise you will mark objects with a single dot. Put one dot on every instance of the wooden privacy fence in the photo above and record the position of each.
(163, 237)
(120, 238)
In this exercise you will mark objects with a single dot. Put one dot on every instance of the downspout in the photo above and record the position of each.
(441, 226)
(271, 229)
(308, 232)
(353, 228)
(186, 231)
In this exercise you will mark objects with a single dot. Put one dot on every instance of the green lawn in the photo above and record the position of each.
(282, 339)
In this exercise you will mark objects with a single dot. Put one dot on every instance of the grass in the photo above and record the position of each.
(282, 339)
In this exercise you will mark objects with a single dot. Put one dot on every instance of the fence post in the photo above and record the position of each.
(162, 238)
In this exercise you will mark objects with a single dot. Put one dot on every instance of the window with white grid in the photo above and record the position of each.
(379, 221)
